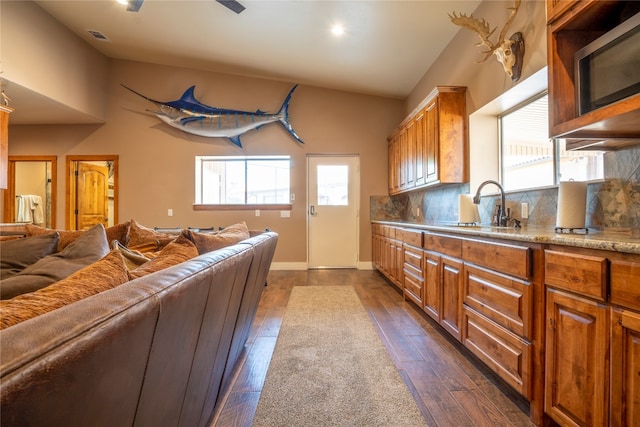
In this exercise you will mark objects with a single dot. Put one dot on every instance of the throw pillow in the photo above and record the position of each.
(132, 259)
(66, 236)
(107, 273)
(180, 250)
(86, 249)
(16, 255)
(146, 239)
(207, 242)
(119, 232)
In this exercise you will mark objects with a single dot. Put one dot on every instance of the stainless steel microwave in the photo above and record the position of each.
(607, 70)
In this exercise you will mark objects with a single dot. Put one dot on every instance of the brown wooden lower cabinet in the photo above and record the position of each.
(559, 324)
(625, 372)
(432, 286)
(451, 279)
(577, 360)
(387, 253)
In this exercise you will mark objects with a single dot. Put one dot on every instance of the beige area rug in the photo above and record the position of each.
(330, 368)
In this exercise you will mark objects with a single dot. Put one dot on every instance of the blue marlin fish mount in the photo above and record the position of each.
(191, 116)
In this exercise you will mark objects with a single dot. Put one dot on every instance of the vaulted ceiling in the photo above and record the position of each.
(386, 47)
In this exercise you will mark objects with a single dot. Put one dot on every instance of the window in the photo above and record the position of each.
(530, 159)
(333, 185)
(252, 180)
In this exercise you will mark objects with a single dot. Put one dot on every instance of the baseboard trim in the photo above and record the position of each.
(364, 265)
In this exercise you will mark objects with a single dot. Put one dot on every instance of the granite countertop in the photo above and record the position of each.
(618, 241)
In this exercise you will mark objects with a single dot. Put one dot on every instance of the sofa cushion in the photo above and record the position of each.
(179, 250)
(132, 259)
(101, 275)
(207, 242)
(16, 255)
(86, 249)
(119, 232)
(146, 239)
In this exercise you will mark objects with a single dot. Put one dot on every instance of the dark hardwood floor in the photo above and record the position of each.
(449, 385)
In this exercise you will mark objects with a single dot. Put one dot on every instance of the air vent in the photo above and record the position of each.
(98, 35)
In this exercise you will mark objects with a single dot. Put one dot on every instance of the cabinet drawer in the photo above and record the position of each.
(584, 274)
(389, 231)
(413, 257)
(506, 353)
(509, 259)
(505, 300)
(446, 245)
(413, 287)
(625, 283)
(410, 237)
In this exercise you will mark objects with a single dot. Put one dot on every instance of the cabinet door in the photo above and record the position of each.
(4, 145)
(432, 286)
(625, 367)
(410, 155)
(419, 127)
(430, 141)
(403, 157)
(555, 8)
(394, 165)
(576, 388)
(451, 274)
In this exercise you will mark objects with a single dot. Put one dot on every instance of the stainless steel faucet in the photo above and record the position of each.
(501, 218)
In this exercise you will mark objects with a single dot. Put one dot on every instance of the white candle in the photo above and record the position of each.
(466, 209)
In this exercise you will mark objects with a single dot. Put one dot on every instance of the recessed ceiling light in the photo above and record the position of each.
(337, 30)
(124, 2)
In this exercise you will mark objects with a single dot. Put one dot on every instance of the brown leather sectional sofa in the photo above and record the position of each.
(156, 351)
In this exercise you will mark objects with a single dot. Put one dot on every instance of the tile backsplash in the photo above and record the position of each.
(613, 203)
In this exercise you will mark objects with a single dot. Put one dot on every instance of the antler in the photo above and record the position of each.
(481, 28)
(514, 10)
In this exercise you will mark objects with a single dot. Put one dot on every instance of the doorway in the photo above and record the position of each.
(333, 203)
(92, 189)
(30, 196)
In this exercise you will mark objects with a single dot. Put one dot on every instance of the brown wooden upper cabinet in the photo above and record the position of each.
(4, 144)
(430, 146)
(571, 27)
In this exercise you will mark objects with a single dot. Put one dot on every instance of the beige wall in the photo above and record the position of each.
(486, 81)
(157, 161)
(46, 58)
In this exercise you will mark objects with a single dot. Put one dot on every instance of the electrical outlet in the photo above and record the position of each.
(257, 212)
(169, 212)
(285, 214)
(524, 210)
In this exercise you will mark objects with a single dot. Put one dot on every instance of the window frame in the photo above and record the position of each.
(555, 149)
(241, 206)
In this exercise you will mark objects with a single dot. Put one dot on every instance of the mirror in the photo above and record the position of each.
(92, 191)
(31, 190)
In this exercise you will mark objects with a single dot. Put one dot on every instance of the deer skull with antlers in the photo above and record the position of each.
(508, 51)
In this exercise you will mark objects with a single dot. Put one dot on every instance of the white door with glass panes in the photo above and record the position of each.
(332, 211)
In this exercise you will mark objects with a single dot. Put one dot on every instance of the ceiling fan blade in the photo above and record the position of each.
(232, 4)
(134, 5)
